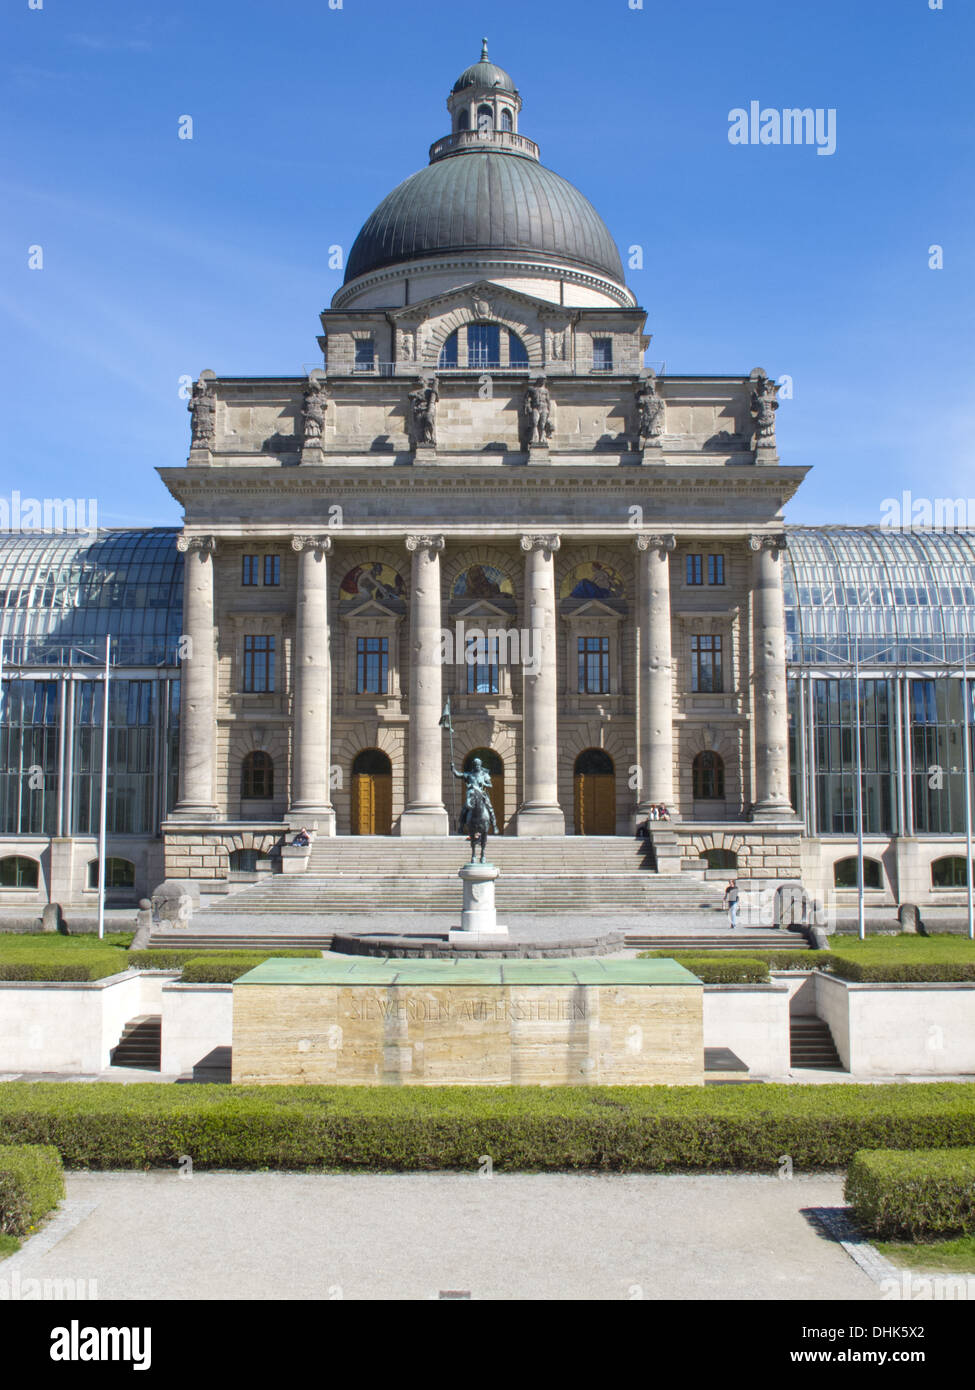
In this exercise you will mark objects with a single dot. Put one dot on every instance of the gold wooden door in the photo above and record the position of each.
(595, 803)
(372, 803)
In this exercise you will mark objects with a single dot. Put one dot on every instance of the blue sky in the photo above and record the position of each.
(163, 256)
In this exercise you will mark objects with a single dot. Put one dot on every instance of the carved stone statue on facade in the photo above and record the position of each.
(764, 406)
(556, 345)
(407, 346)
(538, 413)
(202, 408)
(423, 413)
(650, 414)
(313, 412)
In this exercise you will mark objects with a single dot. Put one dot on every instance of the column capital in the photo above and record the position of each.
(321, 545)
(414, 543)
(661, 544)
(530, 543)
(773, 543)
(206, 545)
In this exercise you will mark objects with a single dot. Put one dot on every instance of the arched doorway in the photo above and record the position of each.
(595, 793)
(495, 766)
(372, 793)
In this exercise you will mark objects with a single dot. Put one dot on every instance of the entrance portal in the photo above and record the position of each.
(372, 793)
(595, 793)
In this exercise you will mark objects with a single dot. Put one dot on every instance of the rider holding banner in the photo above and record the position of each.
(478, 783)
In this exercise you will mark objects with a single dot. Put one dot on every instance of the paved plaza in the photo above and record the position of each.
(416, 1236)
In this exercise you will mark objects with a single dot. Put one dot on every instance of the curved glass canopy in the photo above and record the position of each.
(896, 598)
(61, 595)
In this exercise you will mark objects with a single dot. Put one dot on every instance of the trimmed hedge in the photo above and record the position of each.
(226, 966)
(917, 972)
(74, 965)
(920, 1193)
(524, 1129)
(720, 968)
(31, 1185)
(165, 958)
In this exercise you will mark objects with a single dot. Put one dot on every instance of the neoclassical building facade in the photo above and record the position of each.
(484, 497)
(483, 504)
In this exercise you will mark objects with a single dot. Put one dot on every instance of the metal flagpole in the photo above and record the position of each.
(861, 928)
(968, 798)
(103, 819)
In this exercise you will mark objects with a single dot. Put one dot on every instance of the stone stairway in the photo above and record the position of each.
(741, 940)
(811, 1044)
(360, 874)
(140, 1044)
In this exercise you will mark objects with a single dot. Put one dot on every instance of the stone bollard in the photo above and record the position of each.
(173, 903)
(909, 917)
(52, 920)
(143, 926)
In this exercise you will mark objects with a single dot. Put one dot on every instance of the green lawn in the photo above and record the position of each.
(907, 949)
(9, 1245)
(941, 1256)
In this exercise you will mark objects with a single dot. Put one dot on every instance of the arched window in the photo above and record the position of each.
(17, 871)
(484, 349)
(949, 872)
(506, 123)
(708, 777)
(119, 873)
(464, 121)
(485, 119)
(720, 858)
(845, 873)
(257, 777)
(244, 861)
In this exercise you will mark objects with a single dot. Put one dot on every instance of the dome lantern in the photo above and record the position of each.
(484, 101)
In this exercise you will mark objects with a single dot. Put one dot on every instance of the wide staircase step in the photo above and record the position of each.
(740, 942)
(140, 1044)
(811, 1044)
(177, 940)
(360, 874)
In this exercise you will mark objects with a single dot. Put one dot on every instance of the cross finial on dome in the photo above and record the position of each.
(484, 52)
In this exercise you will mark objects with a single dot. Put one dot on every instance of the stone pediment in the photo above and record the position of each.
(371, 608)
(422, 329)
(481, 610)
(592, 609)
(485, 299)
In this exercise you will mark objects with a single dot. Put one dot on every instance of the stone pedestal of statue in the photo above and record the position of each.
(478, 920)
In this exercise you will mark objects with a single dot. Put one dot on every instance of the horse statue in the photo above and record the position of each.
(477, 817)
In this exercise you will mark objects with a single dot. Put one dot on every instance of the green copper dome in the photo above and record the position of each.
(485, 201)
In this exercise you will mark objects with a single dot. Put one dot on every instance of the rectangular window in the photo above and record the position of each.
(593, 665)
(372, 665)
(249, 571)
(695, 569)
(706, 674)
(259, 665)
(715, 569)
(483, 676)
(602, 354)
(483, 345)
(365, 355)
(272, 569)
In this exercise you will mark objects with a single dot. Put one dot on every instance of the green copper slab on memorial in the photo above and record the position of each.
(366, 1021)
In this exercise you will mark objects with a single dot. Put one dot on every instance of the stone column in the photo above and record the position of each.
(540, 812)
(310, 783)
(769, 706)
(425, 813)
(655, 678)
(197, 697)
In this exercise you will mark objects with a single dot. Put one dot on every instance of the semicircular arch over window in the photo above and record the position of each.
(483, 581)
(372, 580)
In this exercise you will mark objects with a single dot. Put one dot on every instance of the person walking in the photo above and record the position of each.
(731, 903)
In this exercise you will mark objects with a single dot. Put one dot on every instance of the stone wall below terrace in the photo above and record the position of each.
(200, 852)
